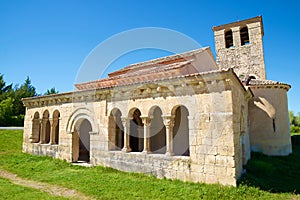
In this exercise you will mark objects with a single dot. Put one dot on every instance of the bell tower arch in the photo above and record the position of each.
(239, 46)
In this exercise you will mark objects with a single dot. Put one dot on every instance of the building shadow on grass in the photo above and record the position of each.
(275, 174)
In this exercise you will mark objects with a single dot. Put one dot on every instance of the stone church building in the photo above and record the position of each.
(186, 116)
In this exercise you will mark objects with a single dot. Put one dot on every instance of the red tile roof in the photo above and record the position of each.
(153, 70)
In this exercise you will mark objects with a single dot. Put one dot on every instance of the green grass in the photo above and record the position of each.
(11, 191)
(107, 183)
(275, 174)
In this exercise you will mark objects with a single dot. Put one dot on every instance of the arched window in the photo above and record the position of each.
(244, 36)
(116, 130)
(55, 127)
(136, 132)
(35, 135)
(181, 132)
(157, 132)
(228, 39)
(45, 128)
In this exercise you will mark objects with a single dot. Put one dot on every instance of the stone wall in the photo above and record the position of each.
(68, 112)
(211, 157)
(214, 140)
(269, 121)
(241, 140)
(247, 59)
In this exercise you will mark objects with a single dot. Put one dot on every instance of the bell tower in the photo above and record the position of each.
(239, 46)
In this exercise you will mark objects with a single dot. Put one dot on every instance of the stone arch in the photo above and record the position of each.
(253, 76)
(55, 127)
(80, 124)
(157, 131)
(115, 130)
(228, 38)
(46, 128)
(79, 114)
(81, 140)
(136, 139)
(244, 35)
(181, 131)
(35, 134)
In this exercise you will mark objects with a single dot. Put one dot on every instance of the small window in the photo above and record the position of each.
(228, 39)
(244, 36)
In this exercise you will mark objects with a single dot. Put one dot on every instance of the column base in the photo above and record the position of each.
(169, 154)
(146, 152)
(126, 149)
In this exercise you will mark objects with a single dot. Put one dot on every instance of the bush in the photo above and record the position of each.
(17, 120)
(295, 129)
(6, 111)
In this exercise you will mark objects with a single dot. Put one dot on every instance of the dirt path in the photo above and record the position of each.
(51, 189)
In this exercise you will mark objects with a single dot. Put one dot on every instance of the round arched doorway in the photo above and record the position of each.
(81, 141)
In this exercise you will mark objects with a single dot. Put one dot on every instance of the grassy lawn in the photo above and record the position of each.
(11, 191)
(277, 177)
(275, 174)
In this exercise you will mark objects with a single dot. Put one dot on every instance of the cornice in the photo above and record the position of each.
(213, 81)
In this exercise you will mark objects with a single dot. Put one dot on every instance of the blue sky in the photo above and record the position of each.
(49, 40)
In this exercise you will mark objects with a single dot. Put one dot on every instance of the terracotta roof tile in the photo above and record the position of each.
(265, 82)
(157, 69)
(159, 61)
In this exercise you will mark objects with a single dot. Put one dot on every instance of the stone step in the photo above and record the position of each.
(82, 163)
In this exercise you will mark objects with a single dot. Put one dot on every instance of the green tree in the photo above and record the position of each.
(291, 117)
(51, 91)
(5, 90)
(294, 122)
(295, 129)
(12, 110)
(6, 111)
(24, 91)
(297, 119)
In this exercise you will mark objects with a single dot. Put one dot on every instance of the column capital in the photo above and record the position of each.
(169, 123)
(146, 120)
(126, 124)
(168, 120)
(126, 119)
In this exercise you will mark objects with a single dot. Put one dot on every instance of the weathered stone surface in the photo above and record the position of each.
(176, 117)
(245, 59)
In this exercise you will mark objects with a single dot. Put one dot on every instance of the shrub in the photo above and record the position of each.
(295, 129)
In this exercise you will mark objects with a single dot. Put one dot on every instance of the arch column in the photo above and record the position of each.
(53, 124)
(169, 124)
(52, 131)
(112, 132)
(35, 135)
(43, 123)
(126, 125)
(75, 146)
(146, 122)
